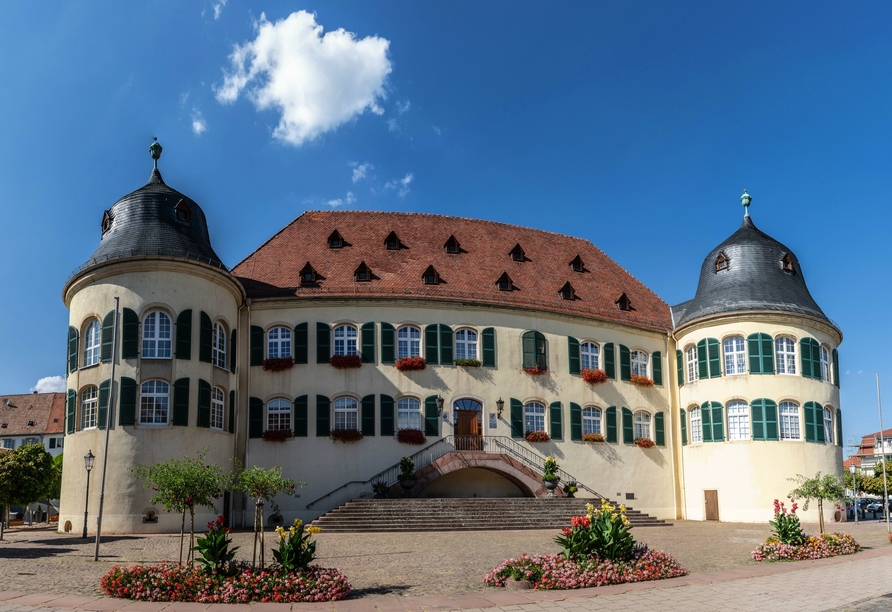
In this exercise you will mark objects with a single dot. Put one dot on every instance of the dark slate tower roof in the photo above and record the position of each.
(754, 279)
(154, 220)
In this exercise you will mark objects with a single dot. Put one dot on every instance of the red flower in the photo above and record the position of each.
(411, 364)
(594, 377)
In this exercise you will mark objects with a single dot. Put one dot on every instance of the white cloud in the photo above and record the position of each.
(49, 384)
(860, 371)
(392, 125)
(437, 130)
(199, 125)
(316, 81)
(402, 185)
(361, 171)
(348, 200)
(218, 8)
(403, 107)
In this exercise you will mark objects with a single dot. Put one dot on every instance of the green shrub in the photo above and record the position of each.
(602, 533)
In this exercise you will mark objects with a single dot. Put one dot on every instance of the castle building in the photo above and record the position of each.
(350, 339)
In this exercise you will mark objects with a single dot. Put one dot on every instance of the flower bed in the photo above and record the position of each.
(278, 364)
(345, 362)
(641, 381)
(594, 377)
(467, 363)
(813, 547)
(411, 436)
(346, 435)
(592, 437)
(535, 371)
(277, 435)
(411, 364)
(241, 584)
(536, 436)
(644, 443)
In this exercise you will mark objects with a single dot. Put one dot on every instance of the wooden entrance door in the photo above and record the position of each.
(711, 499)
(467, 425)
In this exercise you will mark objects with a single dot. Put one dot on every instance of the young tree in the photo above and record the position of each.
(25, 475)
(819, 488)
(182, 484)
(262, 485)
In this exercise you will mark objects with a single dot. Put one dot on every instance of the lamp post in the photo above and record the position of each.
(440, 402)
(88, 464)
(500, 404)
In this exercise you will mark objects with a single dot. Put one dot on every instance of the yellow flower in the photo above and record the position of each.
(622, 508)
(313, 530)
(298, 523)
(291, 530)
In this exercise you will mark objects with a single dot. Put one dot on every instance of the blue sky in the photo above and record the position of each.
(635, 125)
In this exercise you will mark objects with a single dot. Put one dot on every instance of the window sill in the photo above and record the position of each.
(156, 358)
(87, 367)
(224, 368)
(153, 425)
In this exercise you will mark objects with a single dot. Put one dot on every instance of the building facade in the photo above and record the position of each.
(33, 418)
(348, 338)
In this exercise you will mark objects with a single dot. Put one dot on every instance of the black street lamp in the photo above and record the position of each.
(88, 464)
(500, 403)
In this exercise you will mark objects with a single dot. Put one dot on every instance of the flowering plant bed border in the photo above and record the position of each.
(277, 435)
(411, 364)
(593, 437)
(813, 547)
(346, 435)
(644, 443)
(411, 436)
(345, 362)
(594, 377)
(278, 364)
(535, 371)
(641, 381)
(536, 436)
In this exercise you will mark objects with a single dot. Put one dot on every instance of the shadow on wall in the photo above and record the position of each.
(607, 453)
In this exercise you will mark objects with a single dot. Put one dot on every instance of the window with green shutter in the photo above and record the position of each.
(625, 363)
(323, 343)
(130, 335)
(323, 415)
(657, 361)
(432, 344)
(255, 417)
(836, 368)
(257, 348)
(488, 336)
(446, 352)
(556, 421)
(683, 419)
(679, 368)
(205, 338)
(659, 430)
(814, 422)
(806, 359)
(232, 412)
(388, 350)
(232, 351)
(575, 422)
(204, 403)
(718, 422)
(838, 416)
(367, 414)
(127, 403)
(761, 353)
(702, 360)
(367, 333)
(108, 330)
(610, 417)
(301, 418)
(516, 419)
(706, 421)
(387, 417)
(71, 411)
(628, 429)
(184, 335)
(102, 412)
(715, 357)
(574, 360)
(72, 348)
(180, 414)
(610, 360)
(764, 415)
(300, 351)
(431, 417)
(535, 350)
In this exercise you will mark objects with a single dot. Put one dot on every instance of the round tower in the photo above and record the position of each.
(155, 300)
(758, 377)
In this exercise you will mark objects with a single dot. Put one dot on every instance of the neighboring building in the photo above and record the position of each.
(737, 388)
(35, 418)
(870, 452)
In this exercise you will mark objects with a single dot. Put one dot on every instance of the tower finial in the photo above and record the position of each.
(155, 150)
(745, 199)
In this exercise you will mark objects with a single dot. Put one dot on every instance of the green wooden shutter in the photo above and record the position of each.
(757, 410)
(718, 423)
(130, 335)
(127, 403)
(72, 410)
(232, 351)
(102, 411)
(323, 416)
(446, 352)
(204, 403)
(610, 361)
(767, 353)
(368, 415)
(838, 427)
(684, 427)
(771, 420)
(387, 416)
(181, 402)
(836, 368)
(574, 360)
(657, 361)
(388, 352)
(541, 351)
(706, 421)
(702, 360)
(431, 417)
(232, 412)
(809, 425)
(628, 429)
(184, 335)
(108, 329)
(679, 368)
(528, 344)
(754, 348)
(72, 348)
(610, 417)
(323, 343)
(819, 424)
(205, 338)
(367, 334)
(575, 422)
(659, 430)
(431, 344)
(488, 336)
(556, 425)
(255, 417)
(301, 343)
(516, 419)
(300, 416)
(805, 352)
(257, 350)
(625, 363)
(715, 358)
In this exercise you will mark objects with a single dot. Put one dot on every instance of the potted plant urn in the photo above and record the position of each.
(570, 489)
(407, 476)
(550, 477)
(379, 489)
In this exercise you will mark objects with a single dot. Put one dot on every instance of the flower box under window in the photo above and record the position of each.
(278, 364)
(467, 363)
(594, 377)
(641, 381)
(410, 364)
(592, 437)
(536, 371)
(345, 362)
(536, 436)
(346, 435)
(411, 436)
(277, 435)
(644, 443)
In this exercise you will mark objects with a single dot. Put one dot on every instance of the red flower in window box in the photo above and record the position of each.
(346, 435)
(592, 437)
(277, 435)
(410, 364)
(278, 364)
(411, 436)
(536, 436)
(345, 362)
(644, 442)
(641, 381)
(536, 371)
(594, 377)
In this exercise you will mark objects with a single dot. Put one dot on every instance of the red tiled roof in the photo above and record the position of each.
(273, 270)
(853, 460)
(16, 411)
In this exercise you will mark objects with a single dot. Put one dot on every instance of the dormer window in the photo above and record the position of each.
(30, 423)
(362, 274)
(392, 242)
(517, 253)
(336, 241)
(452, 245)
(721, 262)
(504, 283)
(577, 265)
(567, 292)
(787, 263)
(106, 221)
(308, 275)
(183, 212)
(623, 302)
(430, 276)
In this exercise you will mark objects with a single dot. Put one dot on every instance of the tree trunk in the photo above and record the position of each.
(821, 515)
(191, 533)
(254, 558)
(262, 543)
(182, 533)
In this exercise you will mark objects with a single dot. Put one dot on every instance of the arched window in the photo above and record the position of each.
(89, 408)
(466, 344)
(346, 413)
(691, 361)
(408, 342)
(156, 336)
(219, 346)
(642, 424)
(639, 363)
(533, 417)
(154, 402)
(217, 408)
(789, 420)
(825, 364)
(591, 420)
(278, 343)
(408, 413)
(535, 350)
(92, 343)
(738, 421)
(696, 425)
(591, 356)
(345, 340)
(828, 426)
(786, 355)
(278, 415)
(735, 356)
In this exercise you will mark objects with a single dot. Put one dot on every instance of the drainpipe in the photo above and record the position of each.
(246, 305)
(676, 408)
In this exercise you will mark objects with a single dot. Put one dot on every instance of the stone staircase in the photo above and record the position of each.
(463, 514)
